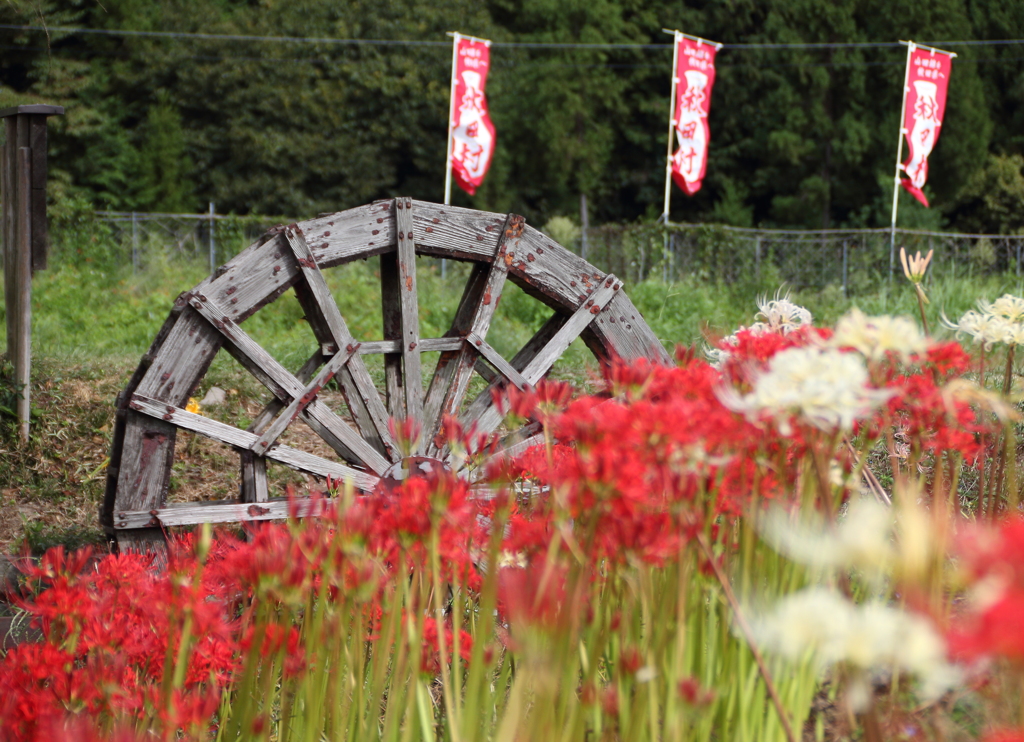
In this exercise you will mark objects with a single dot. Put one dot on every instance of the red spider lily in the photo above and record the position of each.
(1005, 735)
(430, 656)
(997, 557)
(691, 691)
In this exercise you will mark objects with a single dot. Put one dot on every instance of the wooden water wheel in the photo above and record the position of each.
(586, 304)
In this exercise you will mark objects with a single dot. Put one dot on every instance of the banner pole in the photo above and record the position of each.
(899, 163)
(676, 36)
(451, 116)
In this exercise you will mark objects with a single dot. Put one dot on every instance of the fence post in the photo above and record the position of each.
(25, 237)
(1018, 258)
(846, 269)
(213, 251)
(757, 257)
(135, 244)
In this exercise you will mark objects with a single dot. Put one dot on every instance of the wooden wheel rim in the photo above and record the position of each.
(587, 303)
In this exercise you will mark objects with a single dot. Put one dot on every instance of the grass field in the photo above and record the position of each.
(93, 318)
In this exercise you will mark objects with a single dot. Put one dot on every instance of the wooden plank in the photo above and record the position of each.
(454, 377)
(23, 290)
(440, 381)
(412, 374)
(262, 272)
(621, 329)
(255, 487)
(9, 177)
(232, 436)
(327, 323)
(117, 445)
(148, 452)
(304, 375)
(553, 274)
(485, 400)
(40, 233)
(454, 232)
(370, 347)
(487, 416)
(185, 514)
(495, 359)
(335, 431)
(268, 437)
(391, 316)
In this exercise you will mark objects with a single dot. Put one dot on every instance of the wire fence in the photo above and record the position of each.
(851, 260)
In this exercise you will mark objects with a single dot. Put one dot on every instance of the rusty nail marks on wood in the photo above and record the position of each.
(529, 257)
(255, 511)
(479, 238)
(487, 297)
(379, 221)
(412, 346)
(277, 269)
(428, 229)
(540, 250)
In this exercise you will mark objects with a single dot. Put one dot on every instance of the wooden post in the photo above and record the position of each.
(24, 233)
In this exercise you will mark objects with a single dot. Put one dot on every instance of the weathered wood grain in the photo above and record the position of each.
(23, 289)
(487, 417)
(456, 233)
(548, 271)
(335, 431)
(412, 373)
(225, 511)
(287, 416)
(622, 328)
(426, 345)
(484, 401)
(40, 231)
(448, 361)
(262, 272)
(330, 327)
(391, 319)
(460, 369)
(254, 487)
(232, 436)
(304, 375)
(117, 446)
(495, 359)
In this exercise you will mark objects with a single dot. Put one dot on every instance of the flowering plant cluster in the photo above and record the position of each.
(686, 557)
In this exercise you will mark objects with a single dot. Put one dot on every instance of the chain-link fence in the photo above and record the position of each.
(212, 238)
(850, 259)
(853, 260)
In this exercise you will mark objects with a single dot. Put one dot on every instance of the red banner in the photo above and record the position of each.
(927, 78)
(695, 76)
(472, 131)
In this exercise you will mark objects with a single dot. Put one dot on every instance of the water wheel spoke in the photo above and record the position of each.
(448, 388)
(294, 408)
(243, 439)
(303, 375)
(205, 320)
(332, 332)
(540, 353)
(408, 307)
(334, 430)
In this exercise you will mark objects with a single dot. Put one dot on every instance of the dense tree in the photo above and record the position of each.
(801, 137)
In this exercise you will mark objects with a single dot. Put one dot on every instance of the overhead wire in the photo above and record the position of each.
(510, 44)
